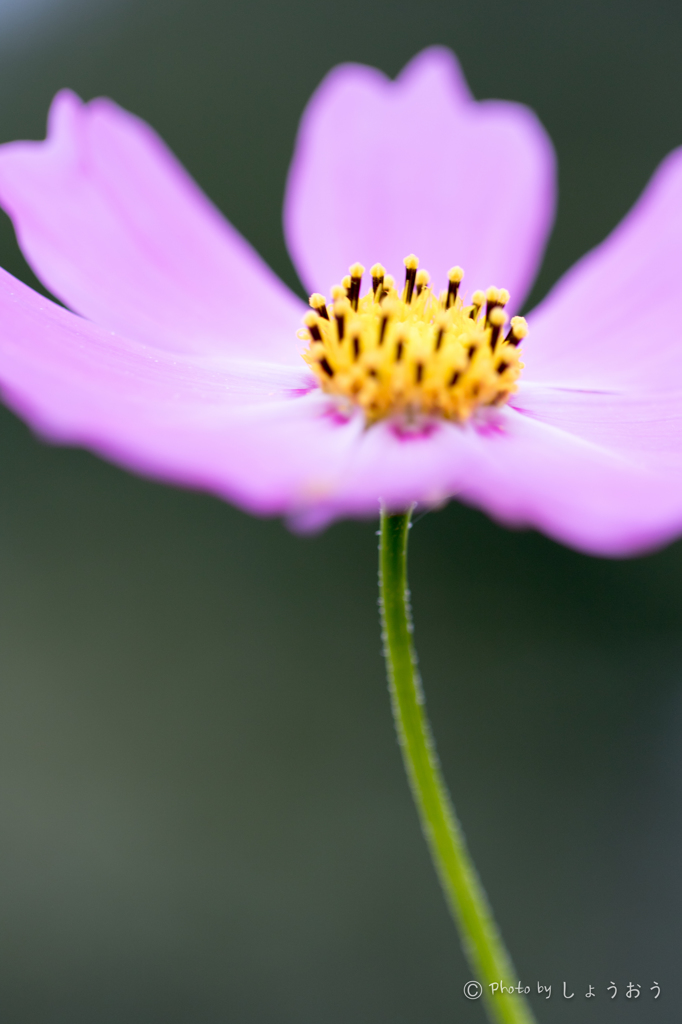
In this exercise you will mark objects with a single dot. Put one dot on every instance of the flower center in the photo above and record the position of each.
(413, 355)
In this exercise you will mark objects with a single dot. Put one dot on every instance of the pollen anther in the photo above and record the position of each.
(378, 273)
(413, 356)
(319, 304)
(455, 275)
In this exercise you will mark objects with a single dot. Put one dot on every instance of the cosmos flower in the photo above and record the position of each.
(187, 360)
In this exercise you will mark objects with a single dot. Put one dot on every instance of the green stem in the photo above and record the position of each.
(481, 939)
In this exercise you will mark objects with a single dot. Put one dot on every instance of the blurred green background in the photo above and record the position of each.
(203, 815)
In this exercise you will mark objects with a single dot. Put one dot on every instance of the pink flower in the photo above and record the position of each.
(182, 361)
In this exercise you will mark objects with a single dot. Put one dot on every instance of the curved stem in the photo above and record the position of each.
(481, 939)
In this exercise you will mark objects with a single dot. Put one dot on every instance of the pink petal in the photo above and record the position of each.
(525, 473)
(612, 322)
(259, 434)
(643, 426)
(384, 168)
(116, 228)
(599, 473)
(185, 419)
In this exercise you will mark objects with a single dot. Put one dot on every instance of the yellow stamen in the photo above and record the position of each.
(518, 330)
(497, 319)
(421, 280)
(311, 321)
(413, 357)
(378, 273)
(411, 263)
(356, 272)
(319, 304)
(455, 275)
(477, 299)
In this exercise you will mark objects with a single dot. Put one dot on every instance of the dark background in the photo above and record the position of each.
(203, 814)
